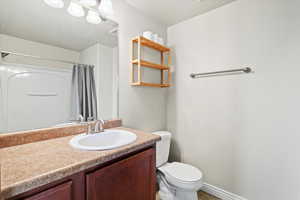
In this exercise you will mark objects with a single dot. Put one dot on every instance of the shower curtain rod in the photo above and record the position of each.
(6, 53)
(224, 72)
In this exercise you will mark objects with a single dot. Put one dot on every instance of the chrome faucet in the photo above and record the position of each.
(98, 126)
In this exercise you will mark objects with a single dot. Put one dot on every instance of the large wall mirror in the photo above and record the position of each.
(58, 64)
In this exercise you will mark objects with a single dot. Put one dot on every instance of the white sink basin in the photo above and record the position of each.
(109, 139)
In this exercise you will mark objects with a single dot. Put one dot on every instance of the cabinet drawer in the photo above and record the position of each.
(130, 179)
(60, 192)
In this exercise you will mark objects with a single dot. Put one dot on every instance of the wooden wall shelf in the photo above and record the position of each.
(150, 65)
(141, 41)
(151, 44)
(151, 84)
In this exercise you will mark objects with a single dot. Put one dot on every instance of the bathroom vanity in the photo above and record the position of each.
(53, 170)
(132, 177)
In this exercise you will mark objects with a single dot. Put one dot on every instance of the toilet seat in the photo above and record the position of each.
(182, 172)
(182, 175)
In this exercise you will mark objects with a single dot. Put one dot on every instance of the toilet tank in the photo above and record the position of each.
(162, 147)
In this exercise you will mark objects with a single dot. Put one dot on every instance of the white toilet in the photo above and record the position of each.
(177, 181)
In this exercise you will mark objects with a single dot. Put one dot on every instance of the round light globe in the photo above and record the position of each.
(76, 10)
(93, 17)
(106, 8)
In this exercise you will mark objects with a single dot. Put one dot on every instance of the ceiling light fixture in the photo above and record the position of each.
(106, 8)
(76, 10)
(93, 17)
(55, 3)
(89, 3)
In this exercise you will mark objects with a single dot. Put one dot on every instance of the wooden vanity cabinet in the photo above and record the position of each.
(132, 177)
(63, 191)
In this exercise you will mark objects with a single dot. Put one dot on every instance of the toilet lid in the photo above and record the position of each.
(183, 172)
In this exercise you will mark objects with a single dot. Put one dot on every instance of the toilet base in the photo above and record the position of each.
(178, 196)
(167, 192)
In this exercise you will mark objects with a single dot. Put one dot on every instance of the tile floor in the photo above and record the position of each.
(201, 196)
(205, 196)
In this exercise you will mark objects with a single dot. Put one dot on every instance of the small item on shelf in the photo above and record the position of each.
(155, 37)
(148, 35)
(160, 41)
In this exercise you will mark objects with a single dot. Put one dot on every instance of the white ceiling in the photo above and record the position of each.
(171, 12)
(34, 20)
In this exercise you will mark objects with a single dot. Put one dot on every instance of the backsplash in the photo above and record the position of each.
(25, 137)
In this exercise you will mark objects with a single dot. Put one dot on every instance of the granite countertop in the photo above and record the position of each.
(28, 166)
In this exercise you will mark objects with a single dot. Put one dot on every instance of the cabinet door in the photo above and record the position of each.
(131, 179)
(61, 192)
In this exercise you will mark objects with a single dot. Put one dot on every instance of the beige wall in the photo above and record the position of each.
(242, 131)
(140, 107)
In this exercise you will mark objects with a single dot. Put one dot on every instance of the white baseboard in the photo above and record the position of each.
(220, 193)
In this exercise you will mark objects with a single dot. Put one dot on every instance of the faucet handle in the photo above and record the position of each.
(81, 119)
(90, 119)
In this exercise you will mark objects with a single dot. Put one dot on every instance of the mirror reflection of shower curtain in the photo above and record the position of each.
(83, 93)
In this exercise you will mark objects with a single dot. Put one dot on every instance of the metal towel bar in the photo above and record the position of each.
(242, 70)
